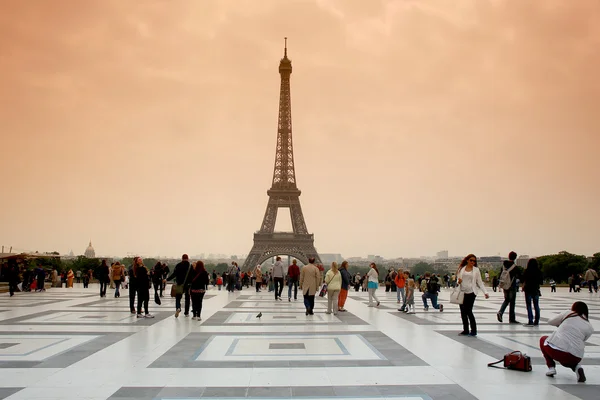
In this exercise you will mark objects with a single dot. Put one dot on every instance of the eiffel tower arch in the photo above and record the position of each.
(284, 192)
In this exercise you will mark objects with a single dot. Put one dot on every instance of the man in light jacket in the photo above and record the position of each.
(310, 281)
(591, 277)
(278, 274)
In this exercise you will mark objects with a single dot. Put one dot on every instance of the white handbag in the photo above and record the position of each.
(457, 296)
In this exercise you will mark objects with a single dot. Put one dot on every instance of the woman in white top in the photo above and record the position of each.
(567, 344)
(469, 280)
(333, 280)
(373, 284)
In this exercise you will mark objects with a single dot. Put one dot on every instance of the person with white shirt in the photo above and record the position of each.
(469, 280)
(567, 344)
(373, 284)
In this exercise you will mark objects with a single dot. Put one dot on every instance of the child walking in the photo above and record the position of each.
(410, 297)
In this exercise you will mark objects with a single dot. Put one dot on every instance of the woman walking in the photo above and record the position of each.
(373, 284)
(259, 278)
(118, 275)
(469, 281)
(198, 288)
(333, 280)
(567, 344)
(346, 279)
(401, 280)
(532, 279)
(70, 277)
(142, 278)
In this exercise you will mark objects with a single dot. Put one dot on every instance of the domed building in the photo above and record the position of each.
(90, 252)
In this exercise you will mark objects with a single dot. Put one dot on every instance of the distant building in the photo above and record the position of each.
(490, 259)
(522, 260)
(442, 254)
(90, 252)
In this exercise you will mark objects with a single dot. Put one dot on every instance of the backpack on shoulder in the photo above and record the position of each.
(506, 281)
(433, 286)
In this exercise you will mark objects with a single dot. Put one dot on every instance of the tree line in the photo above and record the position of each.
(555, 266)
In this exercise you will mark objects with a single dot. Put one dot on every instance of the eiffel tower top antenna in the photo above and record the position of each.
(285, 48)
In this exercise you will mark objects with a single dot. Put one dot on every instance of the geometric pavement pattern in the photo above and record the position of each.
(71, 344)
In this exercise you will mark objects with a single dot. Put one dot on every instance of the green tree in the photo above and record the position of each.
(219, 268)
(595, 262)
(562, 265)
(46, 263)
(84, 264)
(420, 268)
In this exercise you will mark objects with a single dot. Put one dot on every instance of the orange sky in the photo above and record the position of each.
(150, 126)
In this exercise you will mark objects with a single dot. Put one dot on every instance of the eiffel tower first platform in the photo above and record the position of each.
(283, 193)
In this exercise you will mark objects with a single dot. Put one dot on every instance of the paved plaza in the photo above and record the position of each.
(71, 344)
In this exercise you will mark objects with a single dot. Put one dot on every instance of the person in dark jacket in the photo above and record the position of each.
(532, 279)
(293, 279)
(132, 289)
(198, 285)
(495, 283)
(510, 295)
(181, 271)
(142, 277)
(346, 278)
(103, 277)
(166, 271)
(13, 277)
(26, 280)
(41, 278)
(157, 278)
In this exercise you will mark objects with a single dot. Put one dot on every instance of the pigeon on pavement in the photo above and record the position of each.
(259, 315)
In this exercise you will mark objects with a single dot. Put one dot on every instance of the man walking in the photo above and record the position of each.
(591, 276)
(310, 280)
(278, 274)
(13, 277)
(157, 279)
(508, 283)
(293, 277)
(132, 286)
(181, 274)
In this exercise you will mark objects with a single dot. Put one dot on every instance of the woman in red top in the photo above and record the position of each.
(400, 282)
(293, 277)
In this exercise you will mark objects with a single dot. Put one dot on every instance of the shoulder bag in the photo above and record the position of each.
(177, 290)
(457, 296)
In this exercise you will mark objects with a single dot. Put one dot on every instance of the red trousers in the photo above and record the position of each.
(342, 298)
(567, 360)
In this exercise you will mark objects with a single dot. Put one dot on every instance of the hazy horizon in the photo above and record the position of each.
(418, 126)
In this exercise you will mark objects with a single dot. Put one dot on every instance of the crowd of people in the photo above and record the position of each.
(191, 280)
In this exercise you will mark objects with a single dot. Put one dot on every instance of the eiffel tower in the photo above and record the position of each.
(283, 193)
